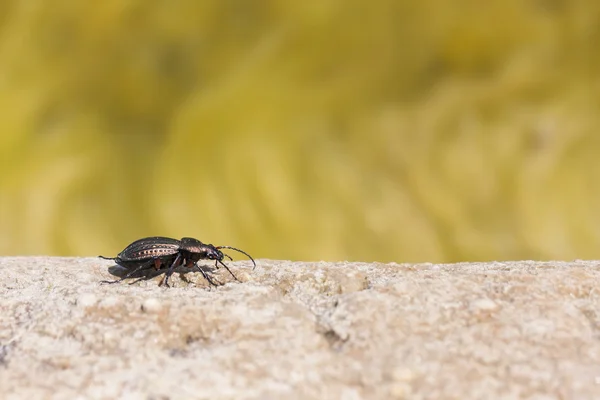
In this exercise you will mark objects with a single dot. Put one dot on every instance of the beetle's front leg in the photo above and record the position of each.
(192, 264)
(207, 276)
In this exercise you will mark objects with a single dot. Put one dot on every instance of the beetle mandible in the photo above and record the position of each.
(163, 252)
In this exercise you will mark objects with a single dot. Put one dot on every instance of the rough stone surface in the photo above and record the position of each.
(302, 330)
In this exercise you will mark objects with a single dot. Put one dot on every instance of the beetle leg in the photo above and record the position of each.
(227, 268)
(174, 265)
(130, 273)
(192, 264)
(206, 276)
(143, 278)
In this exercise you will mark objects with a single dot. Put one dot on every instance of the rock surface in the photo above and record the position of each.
(301, 330)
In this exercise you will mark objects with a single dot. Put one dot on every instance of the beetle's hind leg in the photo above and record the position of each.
(141, 267)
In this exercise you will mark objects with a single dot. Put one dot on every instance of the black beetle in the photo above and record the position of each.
(162, 252)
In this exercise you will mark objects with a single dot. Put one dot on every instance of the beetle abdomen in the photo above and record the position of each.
(147, 248)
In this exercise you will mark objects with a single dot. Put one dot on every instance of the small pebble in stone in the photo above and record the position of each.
(110, 301)
(484, 304)
(110, 338)
(151, 305)
(400, 391)
(353, 281)
(86, 300)
(403, 374)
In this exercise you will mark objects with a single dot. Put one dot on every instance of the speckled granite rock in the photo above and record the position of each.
(302, 330)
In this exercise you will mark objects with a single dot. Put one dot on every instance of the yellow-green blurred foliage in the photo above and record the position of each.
(391, 130)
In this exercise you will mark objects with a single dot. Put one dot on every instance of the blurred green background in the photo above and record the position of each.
(383, 130)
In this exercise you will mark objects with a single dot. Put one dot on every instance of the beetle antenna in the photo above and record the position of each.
(243, 252)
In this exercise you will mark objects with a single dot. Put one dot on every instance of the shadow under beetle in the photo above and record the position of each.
(162, 252)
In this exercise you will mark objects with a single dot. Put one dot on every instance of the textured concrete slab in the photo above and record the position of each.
(302, 330)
